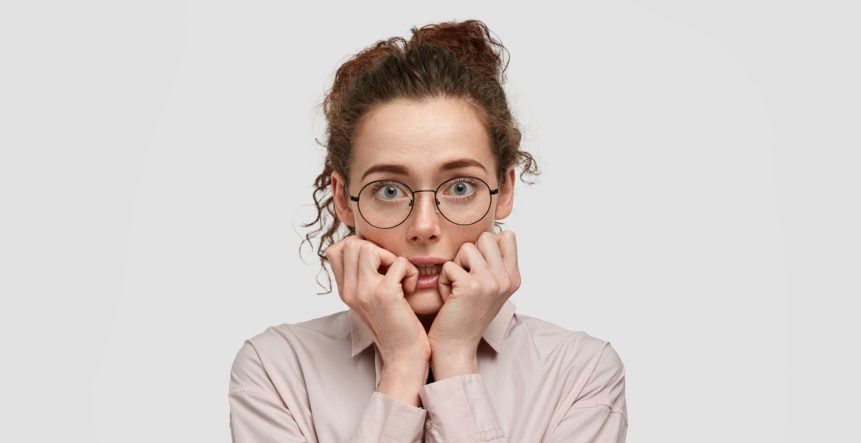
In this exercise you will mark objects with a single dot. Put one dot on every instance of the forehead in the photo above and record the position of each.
(421, 136)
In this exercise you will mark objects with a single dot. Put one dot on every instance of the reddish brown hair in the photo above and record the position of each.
(459, 60)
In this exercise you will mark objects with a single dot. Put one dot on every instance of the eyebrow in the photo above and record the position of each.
(402, 170)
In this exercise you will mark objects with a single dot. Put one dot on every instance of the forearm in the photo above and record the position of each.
(451, 362)
(403, 381)
(460, 409)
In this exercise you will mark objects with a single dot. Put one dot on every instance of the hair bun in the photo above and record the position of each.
(471, 43)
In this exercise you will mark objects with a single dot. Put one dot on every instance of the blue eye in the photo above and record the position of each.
(461, 189)
(388, 192)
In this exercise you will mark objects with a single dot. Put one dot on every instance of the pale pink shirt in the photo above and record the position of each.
(315, 382)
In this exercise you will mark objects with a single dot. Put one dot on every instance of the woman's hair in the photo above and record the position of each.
(459, 60)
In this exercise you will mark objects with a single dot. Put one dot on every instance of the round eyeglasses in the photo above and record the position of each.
(385, 204)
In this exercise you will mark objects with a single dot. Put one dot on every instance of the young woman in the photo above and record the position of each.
(422, 151)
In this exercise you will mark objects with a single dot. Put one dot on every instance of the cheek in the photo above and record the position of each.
(395, 240)
(384, 238)
(471, 233)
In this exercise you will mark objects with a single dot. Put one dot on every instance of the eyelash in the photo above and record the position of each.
(382, 184)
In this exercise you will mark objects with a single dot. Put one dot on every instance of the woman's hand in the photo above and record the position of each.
(372, 281)
(474, 286)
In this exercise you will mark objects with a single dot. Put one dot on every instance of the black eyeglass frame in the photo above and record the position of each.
(413, 199)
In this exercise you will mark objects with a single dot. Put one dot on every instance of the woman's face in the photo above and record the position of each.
(422, 144)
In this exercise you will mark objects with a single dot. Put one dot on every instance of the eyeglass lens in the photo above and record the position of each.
(461, 200)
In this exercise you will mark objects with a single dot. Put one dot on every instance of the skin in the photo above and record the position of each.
(438, 327)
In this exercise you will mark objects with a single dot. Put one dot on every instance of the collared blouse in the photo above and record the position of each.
(537, 382)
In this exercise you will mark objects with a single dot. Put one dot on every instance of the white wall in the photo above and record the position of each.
(699, 206)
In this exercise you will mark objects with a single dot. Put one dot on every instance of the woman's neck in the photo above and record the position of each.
(427, 320)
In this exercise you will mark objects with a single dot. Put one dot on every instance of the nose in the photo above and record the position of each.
(424, 222)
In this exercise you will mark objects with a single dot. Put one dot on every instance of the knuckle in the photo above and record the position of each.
(367, 248)
(514, 281)
(380, 292)
(504, 284)
(364, 301)
(492, 287)
(332, 250)
(347, 295)
(348, 247)
(473, 286)
(352, 242)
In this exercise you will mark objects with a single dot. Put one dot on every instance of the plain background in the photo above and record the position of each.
(698, 208)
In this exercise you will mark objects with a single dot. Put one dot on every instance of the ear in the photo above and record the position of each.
(343, 205)
(505, 200)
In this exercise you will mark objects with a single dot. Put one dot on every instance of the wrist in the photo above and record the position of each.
(403, 382)
(454, 362)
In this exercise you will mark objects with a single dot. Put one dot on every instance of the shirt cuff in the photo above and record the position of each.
(460, 411)
(389, 420)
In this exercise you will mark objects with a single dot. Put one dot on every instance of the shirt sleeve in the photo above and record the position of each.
(460, 411)
(599, 414)
(258, 414)
(389, 420)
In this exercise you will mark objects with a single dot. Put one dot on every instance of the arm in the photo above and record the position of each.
(259, 413)
(598, 412)
(460, 409)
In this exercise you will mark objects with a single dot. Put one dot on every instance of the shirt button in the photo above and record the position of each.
(427, 424)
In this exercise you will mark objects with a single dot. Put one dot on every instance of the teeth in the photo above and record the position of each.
(429, 269)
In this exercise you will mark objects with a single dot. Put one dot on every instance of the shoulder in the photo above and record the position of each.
(550, 337)
(590, 370)
(577, 350)
(280, 352)
(322, 330)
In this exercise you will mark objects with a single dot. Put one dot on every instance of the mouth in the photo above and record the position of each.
(429, 270)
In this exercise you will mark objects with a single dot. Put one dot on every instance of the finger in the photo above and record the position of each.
(489, 249)
(335, 256)
(372, 258)
(508, 249)
(470, 259)
(450, 274)
(351, 261)
(402, 272)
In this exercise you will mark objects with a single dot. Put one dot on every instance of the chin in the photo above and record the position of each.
(425, 301)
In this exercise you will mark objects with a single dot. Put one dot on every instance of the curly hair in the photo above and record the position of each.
(460, 60)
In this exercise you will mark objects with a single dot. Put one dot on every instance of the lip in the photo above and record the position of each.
(427, 261)
(427, 281)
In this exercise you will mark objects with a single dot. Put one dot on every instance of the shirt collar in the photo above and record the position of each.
(493, 335)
